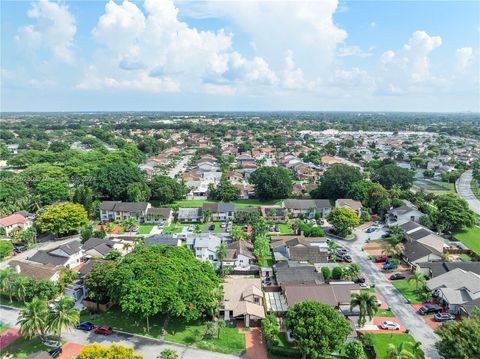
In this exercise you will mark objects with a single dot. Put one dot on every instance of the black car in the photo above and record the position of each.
(339, 258)
(347, 258)
(19, 248)
(212, 227)
(397, 276)
(86, 326)
(430, 308)
(55, 352)
(359, 280)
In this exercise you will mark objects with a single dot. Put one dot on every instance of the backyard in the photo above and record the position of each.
(229, 341)
(470, 237)
(381, 341)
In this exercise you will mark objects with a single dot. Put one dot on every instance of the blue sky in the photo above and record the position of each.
(240, 55)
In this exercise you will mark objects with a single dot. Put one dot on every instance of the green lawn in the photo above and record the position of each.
(230, 340)
(145, 228)
(218, 228)
(128, 323)
(475, 188)
(285, 228)
(381, 341)
(384, 313)
(173, 228)
(5, 300)
(22, 348)
(407, 290)
(470, 237)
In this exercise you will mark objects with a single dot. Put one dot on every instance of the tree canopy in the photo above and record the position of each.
(344, 220)
(113, 179)
(271, 182)
(336, 182)
(391, 175)
(62, 219)
(224, 191)
(318, 328)
(166, 190)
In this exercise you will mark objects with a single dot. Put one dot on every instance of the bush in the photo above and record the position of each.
(337, 272)
(327, 274)
(6, 247)
(285, 352)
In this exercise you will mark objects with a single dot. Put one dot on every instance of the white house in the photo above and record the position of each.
(16, 221)
(68, 255)
(307, 207)
(204, 246)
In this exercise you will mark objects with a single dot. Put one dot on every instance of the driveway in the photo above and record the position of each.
(419, 329)
(465, 191)
(149, 348)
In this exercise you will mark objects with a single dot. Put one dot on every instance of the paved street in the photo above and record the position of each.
(179, 167)
(420, 330)
(149, 348)
(465, 191)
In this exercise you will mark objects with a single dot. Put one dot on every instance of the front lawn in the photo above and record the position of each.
(218, 228)
(285, 228)
(230, 340)
(381, 341)
(384, 313)
(22, 347)
(173, 228)
(5, 300)
(470, 237)
(407, 290)
(133, 323)
(145, 228)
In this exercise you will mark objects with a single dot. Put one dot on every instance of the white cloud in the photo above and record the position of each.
(464, 57)
(352, 51)
(54, 29)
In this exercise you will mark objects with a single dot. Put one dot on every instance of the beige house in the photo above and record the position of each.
(242, 300)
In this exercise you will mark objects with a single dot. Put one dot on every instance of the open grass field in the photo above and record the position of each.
(229, 340)
(407, 290)
(381, 341)
(470, 237)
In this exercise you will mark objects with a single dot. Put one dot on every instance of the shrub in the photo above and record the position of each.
(337, 272)
(327, 274)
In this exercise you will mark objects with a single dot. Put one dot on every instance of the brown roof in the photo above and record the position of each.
(240, 247)
(332, 294)
(35, 271)
(281, 240)
(12, 219)
(353, 205)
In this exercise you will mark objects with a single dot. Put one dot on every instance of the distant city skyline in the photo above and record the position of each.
(163, 55)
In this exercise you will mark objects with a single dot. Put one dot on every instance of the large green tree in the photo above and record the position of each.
(372, 195)
(391, 175)
(453, 213)
(344, 220)
(33, 318)
(318, 328)
(336, 182)
(167, 190)
(162, 279)
(224, 191)
(113, 179)
(98, 281)
(61, 219)
(271, 182)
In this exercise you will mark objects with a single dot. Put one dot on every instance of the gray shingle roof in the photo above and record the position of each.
(161, 239)
(307, 203)
(306, 274)
(219, 207)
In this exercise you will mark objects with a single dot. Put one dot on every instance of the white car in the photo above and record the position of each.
(364, 285)
(389, 325)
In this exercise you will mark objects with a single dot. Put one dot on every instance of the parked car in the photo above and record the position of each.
(339, 258)
(55, 352)
(385, 235)
(379, 303)
(267, 281)
(359, 280)
(347, 258)
(190, 228)
(371, 229)
(389, 325)
(342, 251)
(104, 329)
(86, 326)
(397, 276)
(51, 342)
(212, 227)
(381, 259)
(223, 225)
(19, 248)
(364, 285)
(443, 317)
(389, 266)
(430, 308)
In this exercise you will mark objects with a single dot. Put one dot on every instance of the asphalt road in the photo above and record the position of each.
(419, 329)
(149, 348)
(465, 191)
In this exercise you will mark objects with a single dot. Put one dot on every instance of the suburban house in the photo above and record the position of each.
(355, 206)
(403, 214)
(16, 221)
(119, 211)
(435, 269)
(286, 273)
(274, 213)
(422, 245)
(161, 216)
(204, 246)
(455, 288)
(190, 215)
(300, 250)
(36, 271)
(163, 240)
(97, 247)
(242, 300)
(68, 255)
(239, 254)
(307, 207)
(220, 211)
(333, 294)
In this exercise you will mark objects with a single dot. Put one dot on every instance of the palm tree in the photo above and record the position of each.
(399, 249)
(416, 350)
(418, 278)
(389, 250)
(21, 286)
(8, 278)
(399, 352)
(130, 224)
(332, 248)
(222, 252)
(33, 319)
(366, 303)
(64, 315)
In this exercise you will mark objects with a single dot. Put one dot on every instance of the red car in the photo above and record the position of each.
(104, 329)
(381, 259)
